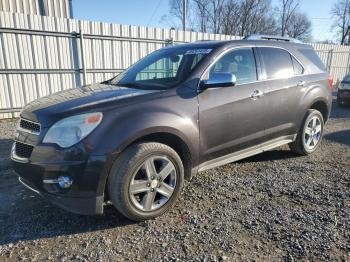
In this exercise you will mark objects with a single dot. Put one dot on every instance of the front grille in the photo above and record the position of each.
(29, 125)
(23, 150)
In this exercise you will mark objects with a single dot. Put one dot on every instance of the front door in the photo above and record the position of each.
(232, 118)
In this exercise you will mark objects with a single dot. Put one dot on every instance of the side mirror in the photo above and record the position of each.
(220, 80)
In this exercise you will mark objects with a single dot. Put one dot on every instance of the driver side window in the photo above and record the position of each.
(240, 62)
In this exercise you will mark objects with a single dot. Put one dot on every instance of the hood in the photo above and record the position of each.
(78, 100)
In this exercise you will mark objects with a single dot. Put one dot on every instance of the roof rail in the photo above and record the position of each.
(205, 40)
(272, 37)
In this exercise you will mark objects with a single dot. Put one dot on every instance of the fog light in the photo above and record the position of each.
(65, 182)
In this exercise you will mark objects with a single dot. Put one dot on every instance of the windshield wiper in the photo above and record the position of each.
(130, 84)
(149, 86)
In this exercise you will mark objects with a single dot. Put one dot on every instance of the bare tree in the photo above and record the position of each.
(341, 15)
(217, 15)
(244, 17)
(248, 9)
(257, 18)
(210, 14)
(231, 18)
(176, 8)
(201, 12)
(266, 25)
(174, 19)
(288, 8)
(235, 17)
(299, 27)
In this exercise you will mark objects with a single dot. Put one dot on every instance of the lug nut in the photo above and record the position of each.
(152, 177)
(148, 184)
(152, 190)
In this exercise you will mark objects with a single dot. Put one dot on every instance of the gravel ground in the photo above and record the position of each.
(276, 206)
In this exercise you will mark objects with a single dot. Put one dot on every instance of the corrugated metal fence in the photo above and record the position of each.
(40, 55)
(58, 8)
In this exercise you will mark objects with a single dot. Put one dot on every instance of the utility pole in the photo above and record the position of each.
(70, 4)
(42, 8)
(184, 14)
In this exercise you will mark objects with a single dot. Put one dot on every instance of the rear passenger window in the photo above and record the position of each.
(277, 63)
(298, 68)
(240, 62)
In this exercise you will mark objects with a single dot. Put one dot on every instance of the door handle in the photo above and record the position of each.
(301, 83)
(256, 94)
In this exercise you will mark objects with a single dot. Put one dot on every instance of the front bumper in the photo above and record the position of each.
(83, 206)
(84, 196)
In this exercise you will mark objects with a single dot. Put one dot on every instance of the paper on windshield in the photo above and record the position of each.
(198, 51)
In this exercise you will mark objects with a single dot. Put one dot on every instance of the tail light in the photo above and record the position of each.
(330, 82)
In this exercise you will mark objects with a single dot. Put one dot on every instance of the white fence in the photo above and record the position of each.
(58, 8)
(40, 55)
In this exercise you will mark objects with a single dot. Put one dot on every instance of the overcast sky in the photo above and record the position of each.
(149, 13)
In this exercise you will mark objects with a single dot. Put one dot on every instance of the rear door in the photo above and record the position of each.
(284, 86)
(232, 118)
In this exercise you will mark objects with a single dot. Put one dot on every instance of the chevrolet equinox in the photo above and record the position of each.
(133, 140)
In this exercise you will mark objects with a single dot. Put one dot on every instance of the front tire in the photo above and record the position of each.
(310, 134)
(146, 180)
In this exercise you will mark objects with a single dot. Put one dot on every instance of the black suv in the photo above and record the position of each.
(343, 94)
(132, 140)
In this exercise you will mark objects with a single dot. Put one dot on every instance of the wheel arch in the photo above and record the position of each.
(165, 137)
(317, 97)
(321, 106)
(175, 142)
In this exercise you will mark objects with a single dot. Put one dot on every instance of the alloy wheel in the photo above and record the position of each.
(153, 183)
(312, 133)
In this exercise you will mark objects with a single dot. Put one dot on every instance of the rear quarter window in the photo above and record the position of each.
(311, 55)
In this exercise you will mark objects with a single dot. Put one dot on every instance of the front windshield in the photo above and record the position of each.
(163, 69)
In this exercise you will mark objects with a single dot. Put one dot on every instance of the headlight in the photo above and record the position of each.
(71, 130)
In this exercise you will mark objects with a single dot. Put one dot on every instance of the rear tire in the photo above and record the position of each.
(145, 181)
(310, 134)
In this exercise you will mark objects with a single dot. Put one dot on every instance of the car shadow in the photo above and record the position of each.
(35, 218)
(341, 137)
(340, 111)
(272, 155)
(5, 148)
(24, 215)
